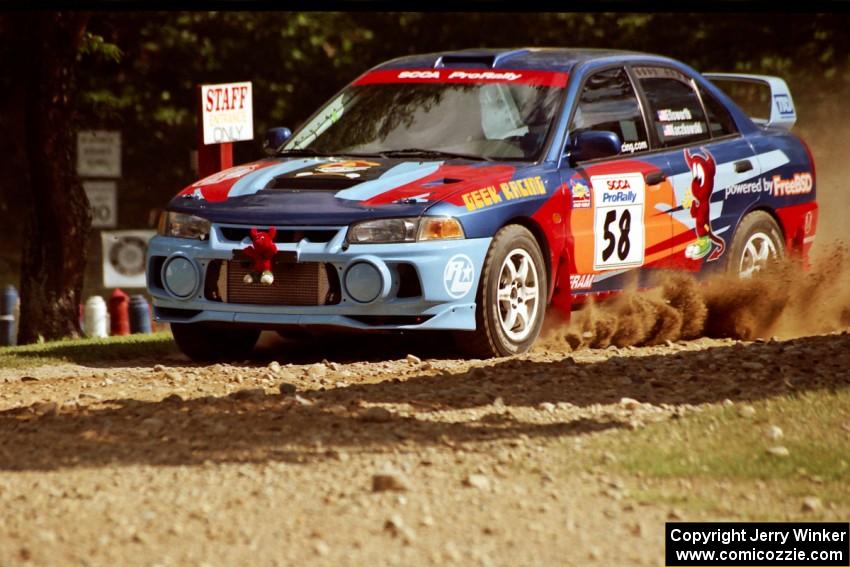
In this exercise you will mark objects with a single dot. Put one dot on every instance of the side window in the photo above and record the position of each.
(608, 102)
(674, 107)
(719, 120)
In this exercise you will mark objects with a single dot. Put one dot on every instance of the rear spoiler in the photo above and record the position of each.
(782, 112)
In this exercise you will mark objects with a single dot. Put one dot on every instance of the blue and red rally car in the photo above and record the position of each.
(467, 191)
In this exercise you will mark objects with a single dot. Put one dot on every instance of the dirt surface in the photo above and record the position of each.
(398, 460)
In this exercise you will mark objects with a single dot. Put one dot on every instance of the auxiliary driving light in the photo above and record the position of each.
(180, 277)
(363, 282)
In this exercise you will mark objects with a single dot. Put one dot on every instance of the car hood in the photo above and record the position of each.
(333, 191)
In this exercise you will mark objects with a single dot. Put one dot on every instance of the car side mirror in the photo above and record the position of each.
(275, 138)
(593, 144)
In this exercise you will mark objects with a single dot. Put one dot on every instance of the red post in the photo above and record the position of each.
(214, 157)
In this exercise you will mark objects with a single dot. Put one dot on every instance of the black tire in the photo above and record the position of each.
(755, 223)
(490, 338)
(205, 343)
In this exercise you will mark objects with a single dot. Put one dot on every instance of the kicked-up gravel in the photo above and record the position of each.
(400, 458)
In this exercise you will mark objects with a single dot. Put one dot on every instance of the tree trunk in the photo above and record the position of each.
(54, 251)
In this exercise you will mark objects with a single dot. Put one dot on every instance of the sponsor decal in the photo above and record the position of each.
(419, 75)
(703, 169)
(632, 147)
(488, 75)
(618, 184)
(799, 184)
(232, 173)
(528, 187)
(522, 76)
(784, 105)
(748, 188)
(686, 129)
(581, 281)
(618, 190)
(508, 191)
(581, 195)
(480, 198)
(347, 168)
(458, 275)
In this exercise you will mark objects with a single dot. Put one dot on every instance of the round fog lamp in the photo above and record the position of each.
(363, 282)
(180, 277)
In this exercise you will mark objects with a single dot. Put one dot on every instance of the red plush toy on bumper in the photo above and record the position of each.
(261, 253)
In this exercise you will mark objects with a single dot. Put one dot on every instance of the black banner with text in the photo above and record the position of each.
(745, 544)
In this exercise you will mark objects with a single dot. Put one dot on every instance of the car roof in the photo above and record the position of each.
(541, 58)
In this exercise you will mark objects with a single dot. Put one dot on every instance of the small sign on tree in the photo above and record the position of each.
(99, 153)
(103, 198)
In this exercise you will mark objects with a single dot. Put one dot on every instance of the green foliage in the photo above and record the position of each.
(90, 351)
(143, 77)
(721, 443)
(93, 44)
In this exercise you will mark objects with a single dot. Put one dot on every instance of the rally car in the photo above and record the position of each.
(467, 191)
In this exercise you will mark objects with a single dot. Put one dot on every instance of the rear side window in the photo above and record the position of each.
(674, 107)
(608, 102)
(719, 120)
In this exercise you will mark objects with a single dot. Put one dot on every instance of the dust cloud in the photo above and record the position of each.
(783, 300)
(826, 129)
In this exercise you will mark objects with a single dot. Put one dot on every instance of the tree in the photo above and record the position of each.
(54, 246)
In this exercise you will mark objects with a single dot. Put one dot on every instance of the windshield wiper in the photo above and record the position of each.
(430, 153)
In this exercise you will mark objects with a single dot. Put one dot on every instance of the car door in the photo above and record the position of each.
(711, 167)
(618, 216)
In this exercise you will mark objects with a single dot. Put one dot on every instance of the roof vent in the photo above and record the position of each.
(466, 61)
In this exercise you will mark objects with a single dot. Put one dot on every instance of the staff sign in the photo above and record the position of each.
(227, 113)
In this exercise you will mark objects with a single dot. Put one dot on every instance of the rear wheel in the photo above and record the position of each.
(757, 243)
(511, 300)
(204, 343)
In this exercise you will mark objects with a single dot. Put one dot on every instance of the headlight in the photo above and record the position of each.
(405, 230)
(384, 230)
(182, 225)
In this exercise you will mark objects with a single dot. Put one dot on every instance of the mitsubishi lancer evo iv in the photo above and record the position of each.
(467, 191)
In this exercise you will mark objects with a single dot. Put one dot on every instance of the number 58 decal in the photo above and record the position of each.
(618, 202)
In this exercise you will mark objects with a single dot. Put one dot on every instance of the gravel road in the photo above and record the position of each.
(395, 459)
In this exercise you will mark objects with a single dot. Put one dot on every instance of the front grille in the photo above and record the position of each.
(283, 235)
(303, 284)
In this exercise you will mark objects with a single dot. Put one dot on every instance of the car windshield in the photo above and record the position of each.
(490, 120)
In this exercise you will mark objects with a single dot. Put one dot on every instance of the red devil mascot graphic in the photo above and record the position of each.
(703, 170)
(261, 253)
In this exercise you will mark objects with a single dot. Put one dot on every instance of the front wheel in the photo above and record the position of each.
(758, 241)
(205, 343)
(511, 299)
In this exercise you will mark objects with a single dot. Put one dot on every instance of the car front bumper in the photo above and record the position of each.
(442, 297)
